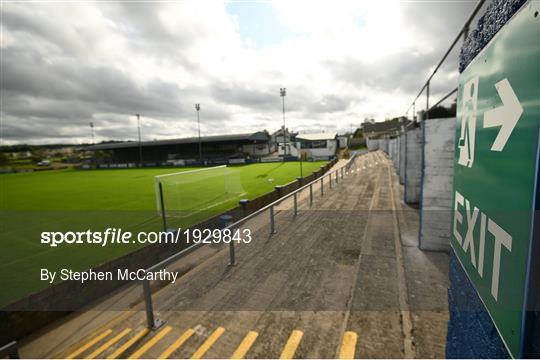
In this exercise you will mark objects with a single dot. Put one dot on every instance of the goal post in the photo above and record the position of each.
(187, 193)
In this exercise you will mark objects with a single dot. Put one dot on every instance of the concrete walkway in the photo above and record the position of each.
(342, 279)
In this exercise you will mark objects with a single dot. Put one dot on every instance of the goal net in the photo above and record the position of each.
(187, 193)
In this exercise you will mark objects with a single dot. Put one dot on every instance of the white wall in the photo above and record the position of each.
(397, 154)
(402, 158)
(376, 144)
(383, 145)
(412, 162)
(291, 149)
(392, 150)
(372, 144)
(437, 182)
(330, 150)
(428, 180)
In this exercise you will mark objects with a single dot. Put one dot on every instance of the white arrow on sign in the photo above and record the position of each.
(505, 116)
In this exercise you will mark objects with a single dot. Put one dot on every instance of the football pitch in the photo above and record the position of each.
(80, 200)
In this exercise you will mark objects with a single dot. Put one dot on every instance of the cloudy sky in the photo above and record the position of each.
(65, 64)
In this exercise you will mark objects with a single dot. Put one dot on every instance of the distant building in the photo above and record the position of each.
(389, 128)
(215, 149)
(321, 146)
(282, 137)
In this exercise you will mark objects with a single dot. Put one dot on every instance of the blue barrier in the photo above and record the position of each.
(471, 333)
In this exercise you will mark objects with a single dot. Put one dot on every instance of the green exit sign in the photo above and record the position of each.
(495, 171)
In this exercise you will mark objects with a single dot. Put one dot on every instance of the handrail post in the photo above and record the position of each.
(226, 220)
(322, 185)
(232, 256)
(243, 204)
(337, 177)
(310, 194)
(295, 204)
(148, 303)
(272, 225)
(466, 31)
(330, 179)
(151, 322)
(299, 179)
(342, 173)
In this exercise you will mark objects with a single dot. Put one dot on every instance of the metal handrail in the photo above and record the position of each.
(154, 323)
(444, 98)
(281, 199)
(10, 350)
(464, 31)
(351, 160)
(241, 221)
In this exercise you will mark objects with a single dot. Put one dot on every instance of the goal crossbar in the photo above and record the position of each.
(190, 171)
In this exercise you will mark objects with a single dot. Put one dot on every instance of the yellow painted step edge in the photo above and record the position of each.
(348, 345)
(290, 347)
(208, 343)
(245, 345)
(108, 344)
(148, 345)
(128, 344)
(89, 344)
(175, 345)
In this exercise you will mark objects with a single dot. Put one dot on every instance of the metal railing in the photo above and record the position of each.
(465, 32)
(153, 322)
(351, 161)
(10, 350)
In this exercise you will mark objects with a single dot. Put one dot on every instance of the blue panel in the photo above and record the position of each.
(471, 333)
(497, 14)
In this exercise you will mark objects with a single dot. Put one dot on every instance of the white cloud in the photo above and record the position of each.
(65, 64)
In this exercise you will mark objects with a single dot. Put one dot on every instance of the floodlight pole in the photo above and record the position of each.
(198, 107)
(282, 93)
(92, 130)
(140, 143)
(93, 160)
(427, 101)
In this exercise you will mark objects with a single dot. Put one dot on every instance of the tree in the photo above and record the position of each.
(358, 133)
(3, 158)
(439, 112)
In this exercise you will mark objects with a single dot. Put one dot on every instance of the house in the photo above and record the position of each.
(389, 128)
(320, 146)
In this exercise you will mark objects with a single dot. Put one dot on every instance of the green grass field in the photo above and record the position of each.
(79, 200)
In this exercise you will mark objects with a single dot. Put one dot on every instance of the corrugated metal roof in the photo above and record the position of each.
(257, 136)
(317, 136)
